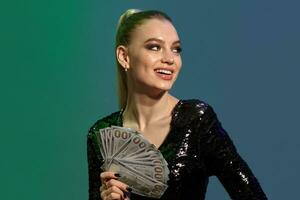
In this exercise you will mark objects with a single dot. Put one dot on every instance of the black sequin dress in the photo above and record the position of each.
(196, 147)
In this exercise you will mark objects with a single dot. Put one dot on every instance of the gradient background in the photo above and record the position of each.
(58, 77)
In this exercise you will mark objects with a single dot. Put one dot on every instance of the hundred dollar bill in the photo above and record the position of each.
(139, 183)
(139, 162)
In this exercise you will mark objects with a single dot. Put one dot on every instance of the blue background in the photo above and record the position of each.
(58, 77)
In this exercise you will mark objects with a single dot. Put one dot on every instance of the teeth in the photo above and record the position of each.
(164, 71)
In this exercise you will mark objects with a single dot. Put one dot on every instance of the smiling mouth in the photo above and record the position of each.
(164, 71)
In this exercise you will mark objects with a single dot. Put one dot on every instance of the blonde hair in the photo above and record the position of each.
(127, 23)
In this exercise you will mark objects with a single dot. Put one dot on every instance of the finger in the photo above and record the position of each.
(111, 196)
(114, 189)
(102, 188)
(109, 175)
(119, 184)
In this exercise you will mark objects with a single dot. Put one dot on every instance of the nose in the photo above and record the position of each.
(167, 57)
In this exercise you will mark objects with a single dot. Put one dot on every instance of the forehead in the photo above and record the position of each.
(155, 28)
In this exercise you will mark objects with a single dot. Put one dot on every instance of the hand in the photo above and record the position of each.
(111, 188)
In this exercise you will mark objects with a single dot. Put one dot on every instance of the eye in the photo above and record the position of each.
(177, 49)
(154, 47)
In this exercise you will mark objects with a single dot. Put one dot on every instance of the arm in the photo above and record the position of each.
(224, 161)
(93, 171)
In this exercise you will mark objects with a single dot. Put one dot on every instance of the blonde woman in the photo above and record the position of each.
(187, 132)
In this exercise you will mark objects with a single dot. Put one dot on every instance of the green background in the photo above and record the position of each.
(58, 77)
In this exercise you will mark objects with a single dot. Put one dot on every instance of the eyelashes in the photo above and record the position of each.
(178, 49)
(157, 47)
(154, 47)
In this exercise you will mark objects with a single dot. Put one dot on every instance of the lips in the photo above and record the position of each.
(164, 73)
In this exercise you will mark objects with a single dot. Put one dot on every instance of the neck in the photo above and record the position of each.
(142, 110)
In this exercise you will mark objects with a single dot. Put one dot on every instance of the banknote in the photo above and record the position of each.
(140, 164)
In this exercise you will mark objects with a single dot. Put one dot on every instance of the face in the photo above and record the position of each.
(153, 56)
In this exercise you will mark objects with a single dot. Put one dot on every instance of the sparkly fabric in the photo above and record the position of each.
(196, 148)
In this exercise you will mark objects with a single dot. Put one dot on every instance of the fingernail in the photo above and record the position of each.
(117, 175)
(129, 189)
(127, 194)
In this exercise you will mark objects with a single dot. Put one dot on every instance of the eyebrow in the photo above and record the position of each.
(160, 41)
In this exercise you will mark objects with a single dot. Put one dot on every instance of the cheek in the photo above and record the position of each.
(179, 63)
(140, 68)
(150, 59)
(145, 62)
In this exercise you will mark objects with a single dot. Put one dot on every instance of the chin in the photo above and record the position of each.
(164, 87)
(157, 87)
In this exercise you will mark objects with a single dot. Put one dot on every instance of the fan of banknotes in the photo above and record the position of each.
(140, 163)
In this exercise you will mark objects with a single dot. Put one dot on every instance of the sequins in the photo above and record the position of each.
(244, 178)
(196, 148)
(182, 152)
(185, 144)
(176, 171)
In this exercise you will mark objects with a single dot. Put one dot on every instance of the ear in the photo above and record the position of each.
(122, 56)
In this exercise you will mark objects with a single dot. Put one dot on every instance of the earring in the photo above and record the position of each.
(125, 68)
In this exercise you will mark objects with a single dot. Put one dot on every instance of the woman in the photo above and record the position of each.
(187, 132)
